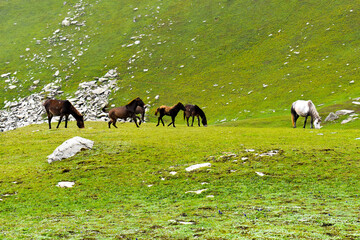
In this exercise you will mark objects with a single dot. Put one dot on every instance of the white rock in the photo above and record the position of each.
(260, 174)
(344, 112)
(65, 184)
(69, 148)
(197, 191)
(197, 166)
(356, 103)
(173, 173)
(66, 22)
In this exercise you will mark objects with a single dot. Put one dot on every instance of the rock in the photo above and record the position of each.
(197, 191)
(344, 112)
(347, 120)
(197, 166)
(260, 174)
(65, 184)
(66, 22)
(69, 148)
(269, 154)
(356, 103)
(331, 117)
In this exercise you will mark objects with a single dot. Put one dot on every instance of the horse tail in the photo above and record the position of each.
(104, 109)
(157, 110)
(293, 114)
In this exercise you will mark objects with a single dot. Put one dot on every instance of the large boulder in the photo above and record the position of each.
(331, 117)
(69, 148)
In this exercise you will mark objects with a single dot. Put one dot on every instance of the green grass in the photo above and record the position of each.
(309, 191)
(214, 54)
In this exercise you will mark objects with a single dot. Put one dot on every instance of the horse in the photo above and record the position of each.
(62, 108)
(305, 109)
(194, 111)
(141, 110)
(169, 111)
(124, 112)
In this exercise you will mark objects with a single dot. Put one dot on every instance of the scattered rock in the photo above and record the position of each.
(270, 153)
(69, 148)
(197, 166)
(260, 174)
(65, 184)
(197, 192)
(344, 112)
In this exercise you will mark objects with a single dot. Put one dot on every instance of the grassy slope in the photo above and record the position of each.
(188, 47)
(310, 190)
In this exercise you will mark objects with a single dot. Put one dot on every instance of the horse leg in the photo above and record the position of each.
(173, 121)
(66, 120)
(61, 116)
(198, 120)
(49, 120)
(192, 123)
(109, 123)
(139, 120)
(311, 122)
(114, 122)
(162, 120)
(187, 121)
(136, 121)
(305, 121)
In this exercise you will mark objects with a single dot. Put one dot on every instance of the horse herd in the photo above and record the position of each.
(63, 108)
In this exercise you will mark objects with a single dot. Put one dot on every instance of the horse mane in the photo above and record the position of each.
(75, 112)
(200, 111)
(312, 110)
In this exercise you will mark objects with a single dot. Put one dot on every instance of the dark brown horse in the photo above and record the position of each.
(194, 111)
(170, 111)
(141, 110)
(62, 108)
(124, 112)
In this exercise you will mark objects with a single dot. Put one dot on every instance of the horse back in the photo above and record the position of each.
(119, 112)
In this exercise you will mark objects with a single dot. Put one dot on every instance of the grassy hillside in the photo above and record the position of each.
(238, 59)
(125, 187)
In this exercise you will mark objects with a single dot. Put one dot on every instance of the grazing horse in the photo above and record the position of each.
(305, 109)
(124, 112)
(62, 108)
(170, 111)
(194, 111)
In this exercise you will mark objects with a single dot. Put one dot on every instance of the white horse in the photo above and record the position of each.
(305, 109)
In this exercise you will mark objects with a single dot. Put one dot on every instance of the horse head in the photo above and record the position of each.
(181, 106)
(140, 102)
(317, 122)
(80, 122)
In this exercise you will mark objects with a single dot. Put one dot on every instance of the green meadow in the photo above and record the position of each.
(133, 183)
(243, 62)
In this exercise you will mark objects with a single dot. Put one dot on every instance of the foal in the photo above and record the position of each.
(170, 111)
(62, 108)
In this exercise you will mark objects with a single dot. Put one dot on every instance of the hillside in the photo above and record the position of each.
(236, 59)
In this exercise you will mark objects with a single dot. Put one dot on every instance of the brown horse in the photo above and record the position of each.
(124, 112)
(194, 111)
(62, 108)
(170, 111)
(141, 110)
